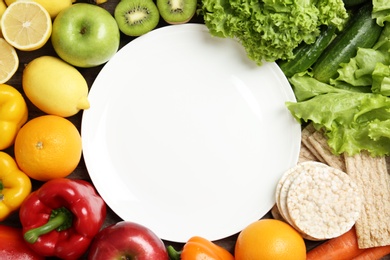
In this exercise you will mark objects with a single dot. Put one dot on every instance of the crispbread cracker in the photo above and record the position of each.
(323, 202)
(305, 154)
(319, 142)
(388, 163)
(305, 134)
(370, 173)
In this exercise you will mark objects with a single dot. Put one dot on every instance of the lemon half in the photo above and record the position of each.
(26, 25)
(9, 61)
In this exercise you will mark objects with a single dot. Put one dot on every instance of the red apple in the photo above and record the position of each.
(127, 240)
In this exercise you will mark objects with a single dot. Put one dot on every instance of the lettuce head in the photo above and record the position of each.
(271, 29)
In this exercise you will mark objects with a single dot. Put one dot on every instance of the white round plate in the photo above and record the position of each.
(187, 136)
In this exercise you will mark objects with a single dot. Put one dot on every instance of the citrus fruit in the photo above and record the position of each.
(55, 87)
(48, 147)
(9, 61)
(26, 25)
(3, 6)
(269, 239)
(53, 7)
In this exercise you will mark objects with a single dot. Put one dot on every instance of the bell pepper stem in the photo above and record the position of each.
(173, 253)
(60, 219)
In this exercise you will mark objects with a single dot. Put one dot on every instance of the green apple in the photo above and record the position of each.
(85, 35)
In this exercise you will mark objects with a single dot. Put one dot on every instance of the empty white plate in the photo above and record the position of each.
(187, 136)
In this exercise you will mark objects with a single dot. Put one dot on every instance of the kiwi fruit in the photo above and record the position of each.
(177, 11)
(136, 17)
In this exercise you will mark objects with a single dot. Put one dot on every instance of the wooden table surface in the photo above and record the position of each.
(90, 75)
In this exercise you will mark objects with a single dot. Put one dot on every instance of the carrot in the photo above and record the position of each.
(340, 248)
(373, 253)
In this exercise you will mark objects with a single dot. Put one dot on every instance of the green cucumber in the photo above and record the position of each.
(360, 32)
(305, 55)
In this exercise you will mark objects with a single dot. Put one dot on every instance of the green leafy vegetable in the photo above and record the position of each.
(353, 121)
(359, 70)
(271, 29)
(353, 109)
(306, 87)
(381, 11)
(381, 79)
(379, 129)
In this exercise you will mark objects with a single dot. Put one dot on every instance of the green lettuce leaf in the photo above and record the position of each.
(353, 121)
(379, 130)
(308, 87)
(358, 71)
(381, 79)
(381, 11)
(271, 29)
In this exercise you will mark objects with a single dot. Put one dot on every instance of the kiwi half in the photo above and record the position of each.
(136, 17)
(177, 11)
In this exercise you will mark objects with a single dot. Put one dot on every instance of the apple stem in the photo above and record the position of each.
(83, 30)
(173, 253)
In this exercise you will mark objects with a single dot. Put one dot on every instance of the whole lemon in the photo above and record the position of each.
(270, 239)
(55, 87)
(52, 6)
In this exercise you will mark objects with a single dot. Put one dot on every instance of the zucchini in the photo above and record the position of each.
(306, 54)
(360, 32)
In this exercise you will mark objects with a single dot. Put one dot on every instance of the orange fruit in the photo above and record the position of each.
(269, 239)
(48, 147)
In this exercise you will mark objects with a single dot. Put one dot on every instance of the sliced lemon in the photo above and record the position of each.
(9, 61)
(3, 6)
(26, 25)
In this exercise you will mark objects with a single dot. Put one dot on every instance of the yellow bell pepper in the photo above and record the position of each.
(15, 186)
(13, 114)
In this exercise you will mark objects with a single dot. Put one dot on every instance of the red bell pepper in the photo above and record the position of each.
(62, 217)
(13, 246)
